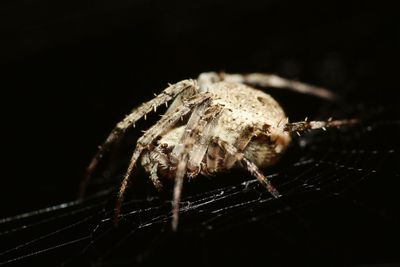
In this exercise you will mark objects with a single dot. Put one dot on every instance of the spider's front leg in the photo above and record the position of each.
(191, 148)
(185, 87)
(165, 123)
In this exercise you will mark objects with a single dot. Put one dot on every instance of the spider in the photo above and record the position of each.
(214, 123)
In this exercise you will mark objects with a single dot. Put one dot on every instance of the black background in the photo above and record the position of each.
(72, 69)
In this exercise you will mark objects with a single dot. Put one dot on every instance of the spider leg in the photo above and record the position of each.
(305, 125)
(148, 137)
(267, 80)
(203, 141)
(181, 97)
(119, 130)
(251, 167)
(180, 173)
(202, 146)
(197, 130)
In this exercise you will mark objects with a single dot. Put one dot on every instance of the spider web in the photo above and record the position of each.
(339, 188)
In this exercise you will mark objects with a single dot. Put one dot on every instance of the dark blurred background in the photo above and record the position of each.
(72, 69)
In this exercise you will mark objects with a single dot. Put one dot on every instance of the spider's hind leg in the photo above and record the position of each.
(302, 126)
(270, 80)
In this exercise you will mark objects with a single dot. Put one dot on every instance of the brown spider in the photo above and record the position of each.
(226, 123)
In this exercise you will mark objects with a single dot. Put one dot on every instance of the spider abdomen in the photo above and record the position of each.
(252, 121)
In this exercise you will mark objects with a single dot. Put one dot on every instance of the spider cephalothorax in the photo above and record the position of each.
(213, 124)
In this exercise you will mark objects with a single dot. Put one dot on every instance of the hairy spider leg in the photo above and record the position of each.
(119, 130)
(200, 120)
(178, 101)
(267, 80)
(166, 122)
(201, 146)
(250, 166)
(305, 125)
